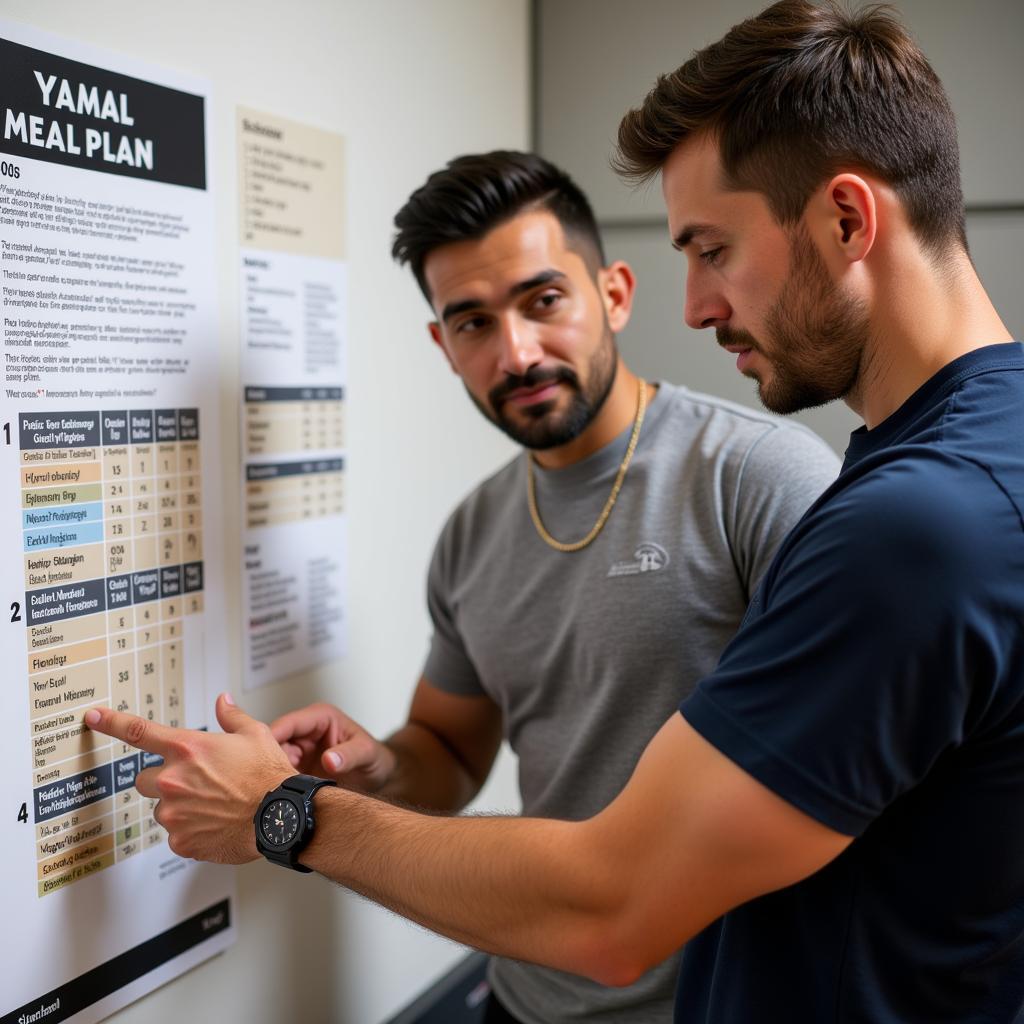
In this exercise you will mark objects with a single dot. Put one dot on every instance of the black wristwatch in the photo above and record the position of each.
(284, 822)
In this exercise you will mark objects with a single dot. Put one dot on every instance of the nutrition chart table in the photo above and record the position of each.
(113, 555)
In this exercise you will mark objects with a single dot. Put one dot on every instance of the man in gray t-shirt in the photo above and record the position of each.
(579, 593)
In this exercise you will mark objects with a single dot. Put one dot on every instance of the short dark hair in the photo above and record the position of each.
(801, 91)
(473, 194)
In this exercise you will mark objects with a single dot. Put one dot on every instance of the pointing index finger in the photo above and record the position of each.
(139, 732)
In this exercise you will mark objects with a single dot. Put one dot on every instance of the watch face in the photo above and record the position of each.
(280, 822)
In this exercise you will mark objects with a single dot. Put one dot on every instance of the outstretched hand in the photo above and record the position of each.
(321, 739)
(210, 784)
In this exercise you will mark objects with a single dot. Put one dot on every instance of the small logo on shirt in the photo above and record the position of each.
(647, 558)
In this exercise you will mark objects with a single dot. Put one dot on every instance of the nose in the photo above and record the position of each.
(520, 347)
(705, 305)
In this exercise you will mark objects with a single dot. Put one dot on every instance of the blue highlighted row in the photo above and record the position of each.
(66, 515)
(63, 536)
(56, 799)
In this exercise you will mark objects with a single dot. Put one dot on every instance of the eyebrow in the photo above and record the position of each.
(692, 231)
(463, 305)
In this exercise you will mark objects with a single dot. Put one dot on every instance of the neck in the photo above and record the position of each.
(930, 316)
(615, 415)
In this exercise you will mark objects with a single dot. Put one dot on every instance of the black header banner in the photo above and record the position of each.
(74, 996)
(275, 470)
(65, 112)
(303, 394)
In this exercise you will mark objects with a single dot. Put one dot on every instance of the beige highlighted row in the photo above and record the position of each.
(49, 456)
(298, 515)
(274, 436)
(142, 619)
(95, 832)
(66, 631)
(50, 692)
(66, 657)
(59, 476)
(64, 565)
(74, 740)
(72, 820)
(58, 879)
(89, 761)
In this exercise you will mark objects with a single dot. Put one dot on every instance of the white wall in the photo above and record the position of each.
(410, 84)
(596, 60)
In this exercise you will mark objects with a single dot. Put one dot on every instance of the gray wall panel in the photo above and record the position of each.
(595, 60)
(975, 48)
(997, 246)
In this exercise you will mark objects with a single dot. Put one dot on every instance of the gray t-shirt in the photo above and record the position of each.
(589, 653)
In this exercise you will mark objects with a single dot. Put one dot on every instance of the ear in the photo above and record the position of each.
(438, 339)
(617, 286)
(843, 218)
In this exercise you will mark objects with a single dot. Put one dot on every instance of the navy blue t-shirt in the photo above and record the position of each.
(877, 684)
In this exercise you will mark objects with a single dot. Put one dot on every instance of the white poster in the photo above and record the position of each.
(294, 300)
(109, 458)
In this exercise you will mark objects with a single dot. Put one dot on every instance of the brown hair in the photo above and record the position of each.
(800, 92)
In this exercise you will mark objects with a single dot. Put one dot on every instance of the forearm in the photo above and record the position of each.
(427, 773)
(524, 888)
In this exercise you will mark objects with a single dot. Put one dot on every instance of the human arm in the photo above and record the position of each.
(689, 837)
(607, 898)
(875, 652)
(437, 761)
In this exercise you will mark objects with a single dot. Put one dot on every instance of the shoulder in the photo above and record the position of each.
(920, 487)
(485, 504)
(754, 448)
(730, 425)
(922, 519)
(492, 491)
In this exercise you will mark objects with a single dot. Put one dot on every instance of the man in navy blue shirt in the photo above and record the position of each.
(834, 818)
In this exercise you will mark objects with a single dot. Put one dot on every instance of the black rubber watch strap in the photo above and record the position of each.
(303, 786)
(287, 860)
(306, 785)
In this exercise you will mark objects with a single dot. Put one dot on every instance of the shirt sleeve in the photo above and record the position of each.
(873, 640)
(448, 665)
(783, 471)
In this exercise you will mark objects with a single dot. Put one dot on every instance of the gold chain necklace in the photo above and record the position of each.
(531, 487)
